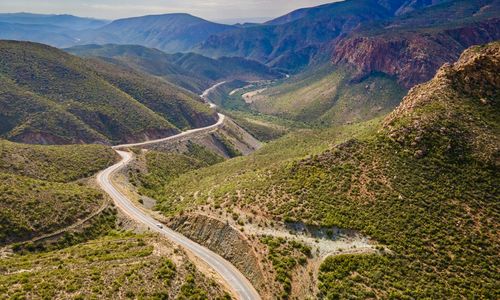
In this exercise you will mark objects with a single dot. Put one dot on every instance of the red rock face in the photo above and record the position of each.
(412, 57)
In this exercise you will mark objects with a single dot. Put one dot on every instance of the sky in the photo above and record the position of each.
(215, 10)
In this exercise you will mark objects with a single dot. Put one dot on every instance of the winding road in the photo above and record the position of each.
(239, 284)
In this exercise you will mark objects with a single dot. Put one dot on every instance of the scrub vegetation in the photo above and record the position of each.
(423, 183)
(38, 192)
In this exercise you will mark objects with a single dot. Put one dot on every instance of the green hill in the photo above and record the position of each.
(37, 192)
(191, 71)
(135, 266)
(326, 95)
(54, 163)
(50, 97)
(424, 183)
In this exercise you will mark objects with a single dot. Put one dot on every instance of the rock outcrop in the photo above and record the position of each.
(454, 112)
(224, 240)
(411, 57)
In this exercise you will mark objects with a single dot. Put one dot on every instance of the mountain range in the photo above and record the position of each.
(171, 32)
(61, 21)
(192, 71)
(353, 60)
(375, 177)
(351, 32)
(49, 96)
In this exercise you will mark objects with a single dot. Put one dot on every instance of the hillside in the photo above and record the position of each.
(38, 195)
(413, 46)
(54, 163)
(363, 63)
(190, 71)
(170, 32)
(54, 30)
(128, 265)
(325, 95)
(423, 184)
(63, 21)
(51, 97)
(299, 38)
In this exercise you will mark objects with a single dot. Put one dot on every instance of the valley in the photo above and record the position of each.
(348, 150)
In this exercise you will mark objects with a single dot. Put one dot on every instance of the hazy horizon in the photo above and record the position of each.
(215, 10)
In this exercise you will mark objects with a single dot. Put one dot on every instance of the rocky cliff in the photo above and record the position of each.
(411, 56)
(455, 113)
(226, 241)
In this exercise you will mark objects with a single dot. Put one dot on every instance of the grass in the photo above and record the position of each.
(38, 194)
(265, 128)
(285, 256)
(54, 163)
(423, 183)
(326, 95)
(98, 226)
(51, 97)
(252, 168)
(119, 264)
(227, 145)
(31, 207)
(163, 167)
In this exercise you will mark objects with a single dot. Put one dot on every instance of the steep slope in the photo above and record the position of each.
(425, 186)
(51, 97)
(412, 47)
(37, 196)
(326, 95)
(410, 31)
(295, 40)
(191, 71)
(181, 108)
(169, 32)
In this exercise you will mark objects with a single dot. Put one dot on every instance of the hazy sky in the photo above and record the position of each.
(113, 9)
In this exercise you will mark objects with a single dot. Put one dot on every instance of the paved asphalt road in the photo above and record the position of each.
(240, 285)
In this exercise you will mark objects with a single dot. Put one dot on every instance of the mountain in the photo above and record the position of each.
(170, 32)
(191, 71)
(62, 21)
(55, 30)
(51, 97)
(421, 185)
(364, 72)
(70, 230)
(46, 34)
(291, 41)
(309, 35)
(413, 46)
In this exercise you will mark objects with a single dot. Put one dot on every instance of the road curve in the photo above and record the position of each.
(184, 133)
(239, 284)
